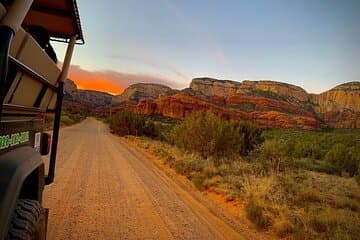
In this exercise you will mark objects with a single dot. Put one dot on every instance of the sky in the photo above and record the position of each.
(314, 44)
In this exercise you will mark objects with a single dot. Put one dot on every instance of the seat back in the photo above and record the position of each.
(25, 89)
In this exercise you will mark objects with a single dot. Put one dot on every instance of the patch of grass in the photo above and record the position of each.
(198, 181)
(335, 224)
(334, 152)
(346, 203)
(255, 213)
(283, 227)
(288, 200)
(66, 120)
(309, 194)
(187, 166)
(170, 160)
(214, 181)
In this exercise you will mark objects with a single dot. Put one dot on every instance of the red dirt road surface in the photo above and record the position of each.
(105, 189)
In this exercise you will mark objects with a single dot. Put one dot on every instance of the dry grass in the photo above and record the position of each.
(320, 206)
(300, 204)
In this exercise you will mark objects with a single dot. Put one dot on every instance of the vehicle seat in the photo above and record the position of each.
(25, 89)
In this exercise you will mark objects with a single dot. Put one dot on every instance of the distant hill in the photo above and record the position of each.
(268, 103)
(144, 91)
(88, 99)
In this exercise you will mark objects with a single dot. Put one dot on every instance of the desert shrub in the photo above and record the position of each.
(198, 180)
(212, 181)
(254, 213)
(273, 156)
(309, 195)
(128, 123)
(334, 224)
(252, 136)
(77, 117)
(346, 203)
(208, 135)
(322, 221)
(163, 131)
(186, 166)
(170, 160)
(283, 227)
(357, 178)
(342, 159)
(323, 166)
(66, 120)
(210, 170)
(150, 129)
(307, 149)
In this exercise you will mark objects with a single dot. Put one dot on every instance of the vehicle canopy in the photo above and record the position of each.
(59, 17)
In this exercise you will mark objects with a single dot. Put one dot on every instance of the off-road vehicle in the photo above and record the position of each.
(31, 86)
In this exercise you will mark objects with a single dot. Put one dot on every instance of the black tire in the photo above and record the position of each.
(28, 222)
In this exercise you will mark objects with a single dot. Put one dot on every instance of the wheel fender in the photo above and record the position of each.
(15, 167)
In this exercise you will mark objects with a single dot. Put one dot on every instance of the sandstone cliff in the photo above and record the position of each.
(270, 89)
(87, 99)
(143, 91)
(268, 103)
(181, 105)
(340, 106)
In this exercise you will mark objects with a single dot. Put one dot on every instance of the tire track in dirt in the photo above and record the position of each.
(104, 189)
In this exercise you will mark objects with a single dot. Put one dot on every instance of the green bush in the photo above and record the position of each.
(310, 149)
(208, 135)
(273, 156)
(343, 159)
(187, 166)
(252, 136)
(283, 228)
(254, 213)
(66, 120)
(128, 123)
(198, 180)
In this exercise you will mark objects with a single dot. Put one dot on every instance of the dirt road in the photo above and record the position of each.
(104, 189)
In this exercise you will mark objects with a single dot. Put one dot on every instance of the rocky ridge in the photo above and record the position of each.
(268, 103)
(87, 99)
(144, 91)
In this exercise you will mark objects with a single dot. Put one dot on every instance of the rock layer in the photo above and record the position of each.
(268, 103)
(143, 91)
(87, 99)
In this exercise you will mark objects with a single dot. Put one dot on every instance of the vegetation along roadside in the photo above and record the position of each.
(296, 183)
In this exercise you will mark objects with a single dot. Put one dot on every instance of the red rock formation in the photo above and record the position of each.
(254, 103)
(181, 105)
(268, 103)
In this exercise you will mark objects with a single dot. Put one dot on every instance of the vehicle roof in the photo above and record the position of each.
(59, 17)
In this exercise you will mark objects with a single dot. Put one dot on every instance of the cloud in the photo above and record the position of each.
(153, 61)
(111, 81)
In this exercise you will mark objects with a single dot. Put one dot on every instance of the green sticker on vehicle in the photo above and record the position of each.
(13, 139)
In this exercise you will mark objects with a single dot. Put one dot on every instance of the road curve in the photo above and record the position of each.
(104, 189)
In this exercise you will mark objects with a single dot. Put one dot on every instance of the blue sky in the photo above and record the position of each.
(313, 44)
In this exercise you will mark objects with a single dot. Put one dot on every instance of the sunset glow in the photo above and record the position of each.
(93, 82)
(109, 81)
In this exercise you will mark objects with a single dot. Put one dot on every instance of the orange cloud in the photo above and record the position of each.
(111, 81)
